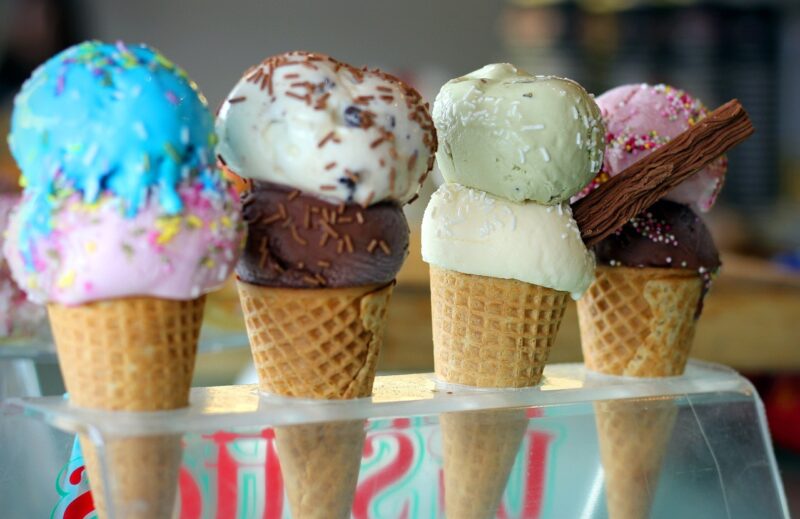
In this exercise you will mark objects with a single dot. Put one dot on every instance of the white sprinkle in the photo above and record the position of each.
(533, 127)
(562, 93)
(560, 209)
(574, 113)
(222, 275)
(469, 92)
(578, 139)
(91, 154)
(545, 155)
(513, 218)
(521, 157)
(564, 236)
(185, 135)
(549, 208)
(138, 127)
(195, 292)
(669, 259)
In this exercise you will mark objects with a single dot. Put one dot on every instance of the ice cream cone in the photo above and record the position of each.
(492, 332)
(633, 436)
(487, 332)
(639, 322)
(320, 464)
(324, 344)
(315, 343)
(479, 449)
(130, 354)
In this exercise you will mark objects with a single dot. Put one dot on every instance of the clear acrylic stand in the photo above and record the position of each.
(581, 445)
(23, 358)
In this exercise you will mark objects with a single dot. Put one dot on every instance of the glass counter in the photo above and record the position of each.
(581, 445)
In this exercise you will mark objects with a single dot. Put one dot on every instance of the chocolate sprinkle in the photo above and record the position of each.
(640, 185)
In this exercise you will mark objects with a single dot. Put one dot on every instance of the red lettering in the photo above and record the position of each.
(537, 473)
(538, 449)
(227, 481)
(395, 470)
(82, 505)
(273, 491)
(191, 498)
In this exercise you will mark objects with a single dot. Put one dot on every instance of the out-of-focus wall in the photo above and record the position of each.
(216, 41)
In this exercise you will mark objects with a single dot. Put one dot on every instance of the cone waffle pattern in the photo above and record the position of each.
(479, 448)
(633, 438)
(145, 472)
(491, 332)
(320, 464)
(639, 322)
(132, 354)
(315, 343)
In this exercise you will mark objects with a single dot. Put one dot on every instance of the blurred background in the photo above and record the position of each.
(716, 50)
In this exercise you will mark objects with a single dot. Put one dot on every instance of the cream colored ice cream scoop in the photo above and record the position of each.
(313, 123)
(518, 136)
(470, 231)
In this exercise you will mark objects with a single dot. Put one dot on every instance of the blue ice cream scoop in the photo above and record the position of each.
(113, 118)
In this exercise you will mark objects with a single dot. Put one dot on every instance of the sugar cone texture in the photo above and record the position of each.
(491, 332)
(320, 464)
(479, 449)
(639, 322)
(145, 476)
(315, 343)
(131, 354)
(633, 437)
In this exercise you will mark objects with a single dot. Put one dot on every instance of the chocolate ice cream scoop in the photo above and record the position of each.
(300, 241)
(666, 235)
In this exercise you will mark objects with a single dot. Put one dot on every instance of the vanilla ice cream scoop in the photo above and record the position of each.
(472, 232)
(518, 136)
(310, 122)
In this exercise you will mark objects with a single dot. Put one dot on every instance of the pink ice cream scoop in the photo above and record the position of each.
(18, 315)
(95, 252)
(640, 118)
(121, 196)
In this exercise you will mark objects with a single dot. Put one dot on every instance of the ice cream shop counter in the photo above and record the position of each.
(581, 445)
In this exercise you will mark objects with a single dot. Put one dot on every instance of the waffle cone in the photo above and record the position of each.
(492, 332)
(479, 449)
(639, 322)
(131, 354)
(320, 464)
(315, 343)
(633, 438)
